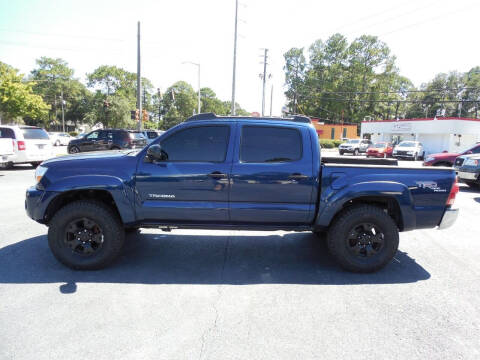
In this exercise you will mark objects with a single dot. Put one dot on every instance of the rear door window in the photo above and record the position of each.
(7, 133)
(267, 144)
(34, 134)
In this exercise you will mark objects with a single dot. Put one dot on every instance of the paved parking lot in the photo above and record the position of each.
(237, 295)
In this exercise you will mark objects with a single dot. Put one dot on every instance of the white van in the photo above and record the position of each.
(31, 144)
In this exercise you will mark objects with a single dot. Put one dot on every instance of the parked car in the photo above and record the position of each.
(6, 150)
(409, 150)
(469, 170)
(448, 159)
(110, 139)
(380, 149)
(236, 173)
(31, 144)
(354, 146)
(150, 135)
(60, 138)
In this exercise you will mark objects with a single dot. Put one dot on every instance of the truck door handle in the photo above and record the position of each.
(217, 175)
(297, 176)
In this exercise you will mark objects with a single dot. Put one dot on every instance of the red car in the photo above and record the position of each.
(380, 149)
(448, 159)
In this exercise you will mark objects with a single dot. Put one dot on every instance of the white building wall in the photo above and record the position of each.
(436, 135)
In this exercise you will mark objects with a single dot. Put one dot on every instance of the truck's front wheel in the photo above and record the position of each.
(363, 238)
(85, 235)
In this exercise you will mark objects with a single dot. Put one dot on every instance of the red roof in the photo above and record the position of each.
(423, 119)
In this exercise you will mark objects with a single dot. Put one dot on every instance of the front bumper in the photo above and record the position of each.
(36, 203)
(449, 218)
(407, 157)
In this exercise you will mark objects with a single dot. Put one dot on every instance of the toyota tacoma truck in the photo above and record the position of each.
(216, 172)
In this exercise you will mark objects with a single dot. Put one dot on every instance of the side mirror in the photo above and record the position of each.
(155, 153)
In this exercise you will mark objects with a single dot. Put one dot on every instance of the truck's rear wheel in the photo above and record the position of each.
(85, 235)
(363, 239)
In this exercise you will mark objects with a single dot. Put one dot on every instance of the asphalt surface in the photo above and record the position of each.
(237, 295)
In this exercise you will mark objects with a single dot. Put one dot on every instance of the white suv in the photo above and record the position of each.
(31, 144)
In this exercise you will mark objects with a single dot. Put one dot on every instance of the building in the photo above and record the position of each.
(436, 134)
(335, 131)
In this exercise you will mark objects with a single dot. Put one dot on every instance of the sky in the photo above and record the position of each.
(427, 37)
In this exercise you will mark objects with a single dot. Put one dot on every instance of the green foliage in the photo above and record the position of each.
(108, 99)
(181, 101)
(55, 78)
(17, 99)
(343, 81)
(73, 133)
(327, 143)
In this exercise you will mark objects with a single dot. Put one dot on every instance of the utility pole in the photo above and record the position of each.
(63, 113)
(271, 99)
(234, 58)
(159, 105)
(265, 57)
(139, 80)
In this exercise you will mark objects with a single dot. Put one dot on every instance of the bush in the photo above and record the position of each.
(337, 143)
(326, 143)
(73, 133)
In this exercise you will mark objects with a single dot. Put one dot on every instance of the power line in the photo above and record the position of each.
(62, 35)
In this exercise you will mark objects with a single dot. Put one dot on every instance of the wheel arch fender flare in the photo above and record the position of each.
(367, 192)
(121, 193)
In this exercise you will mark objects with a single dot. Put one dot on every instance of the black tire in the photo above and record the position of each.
(472, 184)
(340, 152)
(443, 164)
(73, 150)
(9, 165)
(35, 164)
(339, 239)
(355, 152)
(112, 239)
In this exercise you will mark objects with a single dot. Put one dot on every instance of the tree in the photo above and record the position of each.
(17, 99)
(54, 79)
(180, 101)
(344, 82)
(295, 65)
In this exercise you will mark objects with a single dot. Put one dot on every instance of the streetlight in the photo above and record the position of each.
(198, 65)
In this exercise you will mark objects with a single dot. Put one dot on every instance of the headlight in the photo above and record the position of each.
(39, 172)
(430, 158)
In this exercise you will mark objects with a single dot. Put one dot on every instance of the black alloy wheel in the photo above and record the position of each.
(74, 150)
(84, 236)
(365, 240)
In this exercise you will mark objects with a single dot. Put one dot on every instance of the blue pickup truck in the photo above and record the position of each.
(213, 172)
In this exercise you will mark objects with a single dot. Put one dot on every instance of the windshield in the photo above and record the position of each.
(35, 133)
(407, 144)
(379, 145)
(353, 141)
